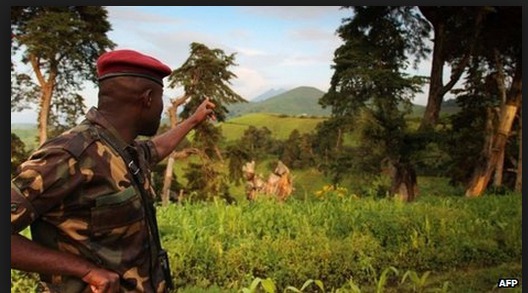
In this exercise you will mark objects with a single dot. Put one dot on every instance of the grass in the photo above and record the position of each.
(242, 237)
(280, 125)
(479, 279)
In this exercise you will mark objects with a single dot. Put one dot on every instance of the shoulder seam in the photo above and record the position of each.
(80, 142)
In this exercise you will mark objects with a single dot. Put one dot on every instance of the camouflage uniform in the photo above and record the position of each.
(78, 196)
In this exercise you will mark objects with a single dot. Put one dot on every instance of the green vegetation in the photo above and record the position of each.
(338, 239)
(280, 125)
(342, 242)
(27, 133)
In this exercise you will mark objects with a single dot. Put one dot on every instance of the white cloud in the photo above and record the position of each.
(250, 83)
(314, 34)
(300, 60)
(250, 52)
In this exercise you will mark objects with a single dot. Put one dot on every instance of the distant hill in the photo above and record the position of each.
(23, 126)
(298, 101)
(28, 133)
(304, 100)
(268, 94)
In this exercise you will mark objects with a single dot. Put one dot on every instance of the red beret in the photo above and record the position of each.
(132, 63)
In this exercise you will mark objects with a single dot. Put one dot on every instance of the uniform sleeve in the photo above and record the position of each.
(41, 183)
(148, 150)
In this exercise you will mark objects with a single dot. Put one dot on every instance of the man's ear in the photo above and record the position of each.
(146, 97)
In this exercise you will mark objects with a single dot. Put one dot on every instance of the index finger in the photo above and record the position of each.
(209, 102)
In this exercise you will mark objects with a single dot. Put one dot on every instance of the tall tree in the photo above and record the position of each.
(368, 80)
(518, 178)
(292, 151)
(463, 38)
(501, 48)
(257, 141)
(455, 35)
(484, 171)
(328, 140)
(172, 112)
(205, 74)
(60, 45)
(297, 151)
(471, 127)
(238, 156)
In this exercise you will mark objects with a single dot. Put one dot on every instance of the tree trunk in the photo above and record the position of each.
(338, 140)
(167, 179)
(490, 129)
(437, 89)
(499, 169)
(501, 85)
(218, 153)
(518, 179)
(46, 91)
(404, 185)
(45, 103)
(434, 100)
(483, 172)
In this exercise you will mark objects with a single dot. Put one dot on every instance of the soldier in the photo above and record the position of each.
(87, 195)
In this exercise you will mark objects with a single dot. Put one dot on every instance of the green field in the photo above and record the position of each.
(27, 133)
(280, 125)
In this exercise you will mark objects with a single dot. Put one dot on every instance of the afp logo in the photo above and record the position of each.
(508, 283)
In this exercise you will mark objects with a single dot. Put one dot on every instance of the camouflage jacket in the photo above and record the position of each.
(77, 195)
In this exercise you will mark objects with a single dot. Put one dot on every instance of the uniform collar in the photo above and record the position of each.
(95, 117)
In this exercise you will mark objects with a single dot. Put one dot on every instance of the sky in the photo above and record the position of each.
(275, 47)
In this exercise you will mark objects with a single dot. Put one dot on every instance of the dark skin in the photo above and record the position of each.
(133, 105)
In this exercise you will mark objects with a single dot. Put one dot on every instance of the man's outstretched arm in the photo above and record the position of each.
(166, 142)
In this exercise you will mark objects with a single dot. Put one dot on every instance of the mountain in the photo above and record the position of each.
(23, 126)
(302, 100)
(270, 93)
